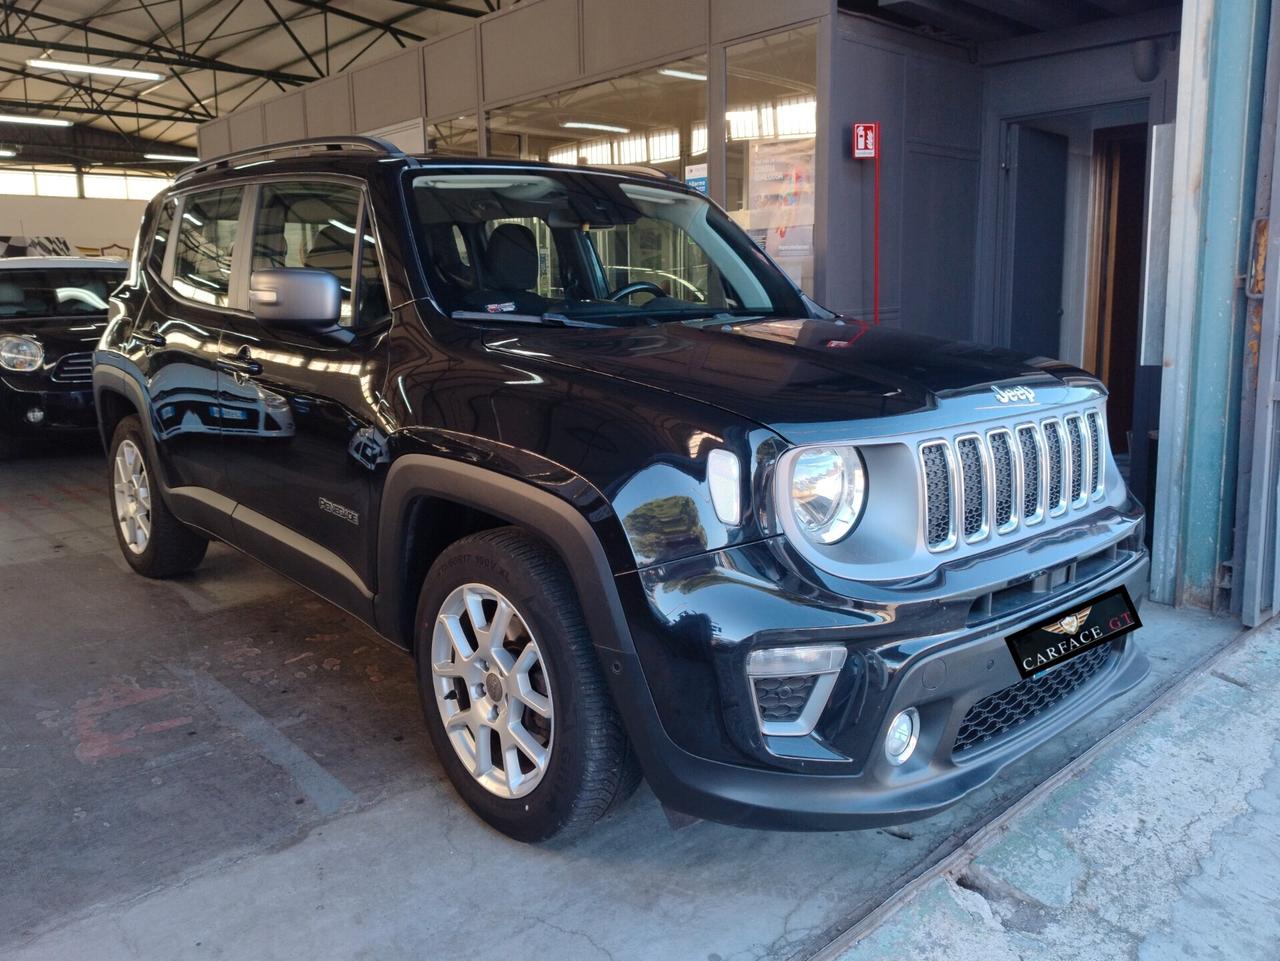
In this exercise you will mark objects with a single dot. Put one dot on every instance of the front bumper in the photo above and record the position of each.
(61, 407)
(936, 645)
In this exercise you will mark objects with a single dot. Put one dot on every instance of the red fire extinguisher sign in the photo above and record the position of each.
(866, 146)
(866, 141)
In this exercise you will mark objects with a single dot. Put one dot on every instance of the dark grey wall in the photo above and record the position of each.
(927, 97)
(1038, 76)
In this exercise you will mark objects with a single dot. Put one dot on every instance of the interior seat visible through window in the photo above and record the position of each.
(510, 273)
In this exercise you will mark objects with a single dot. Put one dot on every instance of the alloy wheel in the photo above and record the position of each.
(492, 690)
(132, 496)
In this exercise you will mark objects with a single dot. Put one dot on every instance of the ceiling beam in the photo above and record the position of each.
(42, 110)
(958, 19)
(84, 88)
(284, 24)
(154, 53)
(324, 7)
(444, 6)
(1038, 14)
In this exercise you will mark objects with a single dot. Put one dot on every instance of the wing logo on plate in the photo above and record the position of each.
(1070, 624)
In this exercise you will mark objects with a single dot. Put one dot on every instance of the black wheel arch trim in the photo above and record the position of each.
(538, 511)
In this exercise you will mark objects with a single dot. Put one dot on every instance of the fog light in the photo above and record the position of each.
(904, 733)
(35, 416)
(791, 686)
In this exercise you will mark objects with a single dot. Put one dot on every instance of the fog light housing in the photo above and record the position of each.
(791, 686)
(35, 416)
(904, 734)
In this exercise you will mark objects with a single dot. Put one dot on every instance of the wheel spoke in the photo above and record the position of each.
(457, 636)
(523, 740)
(484, 750)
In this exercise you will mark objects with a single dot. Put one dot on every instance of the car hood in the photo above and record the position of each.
(802, 378)
(59, 335)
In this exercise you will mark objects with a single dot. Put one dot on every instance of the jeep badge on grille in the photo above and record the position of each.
(1007, 395)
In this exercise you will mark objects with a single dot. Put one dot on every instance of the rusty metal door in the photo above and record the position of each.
(1261, 483)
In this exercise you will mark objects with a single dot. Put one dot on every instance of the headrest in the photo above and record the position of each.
(11, 294)
(511, 259)
(332, 250)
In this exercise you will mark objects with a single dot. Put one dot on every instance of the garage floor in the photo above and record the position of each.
(225, 767)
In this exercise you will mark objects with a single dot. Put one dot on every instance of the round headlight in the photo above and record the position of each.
(20, 353)
(828, 489)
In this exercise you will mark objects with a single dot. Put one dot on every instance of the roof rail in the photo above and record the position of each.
(643, 170)
(293, 148)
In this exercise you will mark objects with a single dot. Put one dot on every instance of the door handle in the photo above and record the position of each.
(149, 339)
(242, 365)
(250, 368)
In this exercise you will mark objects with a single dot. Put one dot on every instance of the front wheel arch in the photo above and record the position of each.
(494, 500)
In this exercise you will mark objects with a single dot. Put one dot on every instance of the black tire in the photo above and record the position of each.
(591, 768)
(172, 548)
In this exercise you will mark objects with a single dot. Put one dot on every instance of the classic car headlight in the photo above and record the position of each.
(828, 491)
(20, 353)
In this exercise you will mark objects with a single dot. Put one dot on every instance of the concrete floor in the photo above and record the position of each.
(1165, 844)
(223, 766)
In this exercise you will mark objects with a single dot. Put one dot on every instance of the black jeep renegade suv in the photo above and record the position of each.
(632, 501)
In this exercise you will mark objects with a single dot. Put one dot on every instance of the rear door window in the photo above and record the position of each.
(206, 245)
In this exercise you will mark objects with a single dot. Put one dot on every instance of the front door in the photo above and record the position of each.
(302, 459)
(176, 332)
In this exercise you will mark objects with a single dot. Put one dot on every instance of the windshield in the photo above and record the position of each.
(579, 248)
(57, 291)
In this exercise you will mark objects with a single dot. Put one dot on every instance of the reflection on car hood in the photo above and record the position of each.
(790, 375)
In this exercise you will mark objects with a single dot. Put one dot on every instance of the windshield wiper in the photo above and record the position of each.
(507, 317)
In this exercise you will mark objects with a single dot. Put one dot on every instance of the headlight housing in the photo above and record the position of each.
(828, 492)
(20, 354)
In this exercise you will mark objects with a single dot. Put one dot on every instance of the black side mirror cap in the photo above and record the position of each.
(299, 299)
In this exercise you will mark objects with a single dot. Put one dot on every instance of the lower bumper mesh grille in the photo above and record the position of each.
(783, 698)
(998, 713)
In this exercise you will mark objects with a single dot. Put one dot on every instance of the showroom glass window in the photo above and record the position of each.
(770, 132)
(206, 244)
(459, 137)
(656, 117)
(310, 225)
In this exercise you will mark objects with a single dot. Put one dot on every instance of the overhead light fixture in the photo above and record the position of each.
(62, 66)
(6, 152)
(33, 121)
(584, 125)
(175, 157)
(682, 74)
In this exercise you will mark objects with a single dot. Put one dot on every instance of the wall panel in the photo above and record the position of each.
(731, 19)
(247, 129)
(214, 138)
(328, 107)
(616, 33)
(450, 69)
(285, 118)
(388, 91)
(549, 27)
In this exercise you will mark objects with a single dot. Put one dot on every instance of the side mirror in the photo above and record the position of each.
(296, 298)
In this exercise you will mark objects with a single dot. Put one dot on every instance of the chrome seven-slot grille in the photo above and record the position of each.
(1003, 478)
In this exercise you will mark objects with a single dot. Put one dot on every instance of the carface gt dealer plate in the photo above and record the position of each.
(1073, 632)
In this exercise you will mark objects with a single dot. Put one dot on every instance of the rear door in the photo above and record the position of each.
(302, 460)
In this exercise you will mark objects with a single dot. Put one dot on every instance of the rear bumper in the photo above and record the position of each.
(838, 778)
(60, 407)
